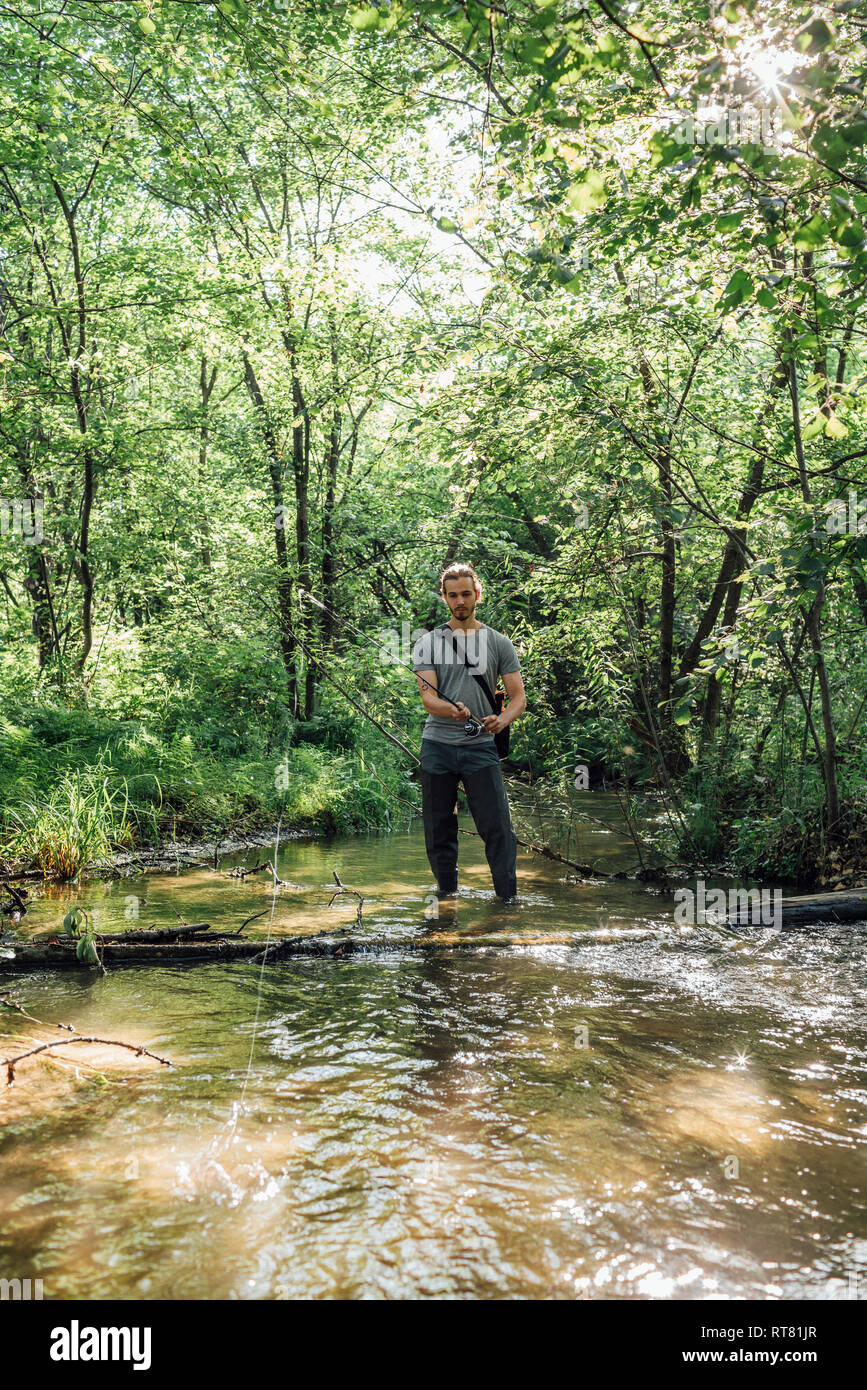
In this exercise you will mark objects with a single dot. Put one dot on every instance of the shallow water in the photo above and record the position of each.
(595, 1103)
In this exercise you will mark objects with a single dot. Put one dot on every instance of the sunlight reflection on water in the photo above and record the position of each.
(590, 1104)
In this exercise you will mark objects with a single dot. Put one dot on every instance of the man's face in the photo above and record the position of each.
(460, 595)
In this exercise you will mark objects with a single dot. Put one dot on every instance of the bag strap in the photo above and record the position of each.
(480, 679)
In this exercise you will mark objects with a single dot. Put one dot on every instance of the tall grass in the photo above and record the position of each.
(77, 783)
(76, 826)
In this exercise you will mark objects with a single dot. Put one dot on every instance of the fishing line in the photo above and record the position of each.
(233, 1123)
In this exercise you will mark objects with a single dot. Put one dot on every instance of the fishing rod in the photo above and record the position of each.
(472, 727)
(411, 753)
(543, 850)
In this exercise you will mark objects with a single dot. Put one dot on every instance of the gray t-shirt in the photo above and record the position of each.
(489, 653)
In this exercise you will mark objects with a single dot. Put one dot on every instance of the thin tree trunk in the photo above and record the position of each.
(814, 616)
(332, 460)
(671, 737)
(81, 564)
(284, 580)
(301, 476)
(206, 387)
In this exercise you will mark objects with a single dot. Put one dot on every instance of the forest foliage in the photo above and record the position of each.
(318, 297)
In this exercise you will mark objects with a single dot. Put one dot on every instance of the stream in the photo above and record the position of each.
(595, 1103)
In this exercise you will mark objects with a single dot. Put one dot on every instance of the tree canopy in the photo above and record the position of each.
(318, 297)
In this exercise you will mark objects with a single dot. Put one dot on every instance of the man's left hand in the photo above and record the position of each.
(494, 723)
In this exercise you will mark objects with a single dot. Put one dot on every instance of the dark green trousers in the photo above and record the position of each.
(443, 767)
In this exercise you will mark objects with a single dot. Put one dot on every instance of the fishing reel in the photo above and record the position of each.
(473, 728)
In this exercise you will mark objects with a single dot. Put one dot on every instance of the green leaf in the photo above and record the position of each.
(830, 146)
(850, 233)
(739, 288)
(86, 951)
(814, 36)
(147, 25)
(811, 234)
(667, 149)
(535, 51)
(728, 221)
(834, 427)
(854, 134)
(446, 224)
(367, 18)
(589, 193)
(814, 428)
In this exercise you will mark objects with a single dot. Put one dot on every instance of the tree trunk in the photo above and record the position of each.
(206, 387)
(814, 617)
(284, 581)
(331, 465)
(81, 563)
(732, 559)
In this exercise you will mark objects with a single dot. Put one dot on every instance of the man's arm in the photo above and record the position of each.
(514, 683)
(433, 703)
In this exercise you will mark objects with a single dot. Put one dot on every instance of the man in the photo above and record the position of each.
(448, 754)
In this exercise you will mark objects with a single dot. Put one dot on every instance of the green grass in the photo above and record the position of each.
(76, 826)
(76, 784)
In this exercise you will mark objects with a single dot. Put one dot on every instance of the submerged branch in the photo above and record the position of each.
(10, 1063)
(342, 889)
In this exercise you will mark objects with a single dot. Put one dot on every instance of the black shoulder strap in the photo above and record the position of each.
(480, 679)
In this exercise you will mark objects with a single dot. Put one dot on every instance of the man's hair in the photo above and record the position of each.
(458, 572)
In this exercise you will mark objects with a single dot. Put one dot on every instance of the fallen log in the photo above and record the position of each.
(60, 952)
(152, 934)
(192, 944)
(810, 909)
(60, 955)
(156, 935)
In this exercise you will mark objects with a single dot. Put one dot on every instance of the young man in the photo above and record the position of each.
(446, 659)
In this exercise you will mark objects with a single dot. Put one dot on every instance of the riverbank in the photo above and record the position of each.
(800, 856)
(166, 856)
(82, 789)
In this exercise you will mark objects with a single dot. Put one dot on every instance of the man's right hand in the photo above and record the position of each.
(461, 713)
